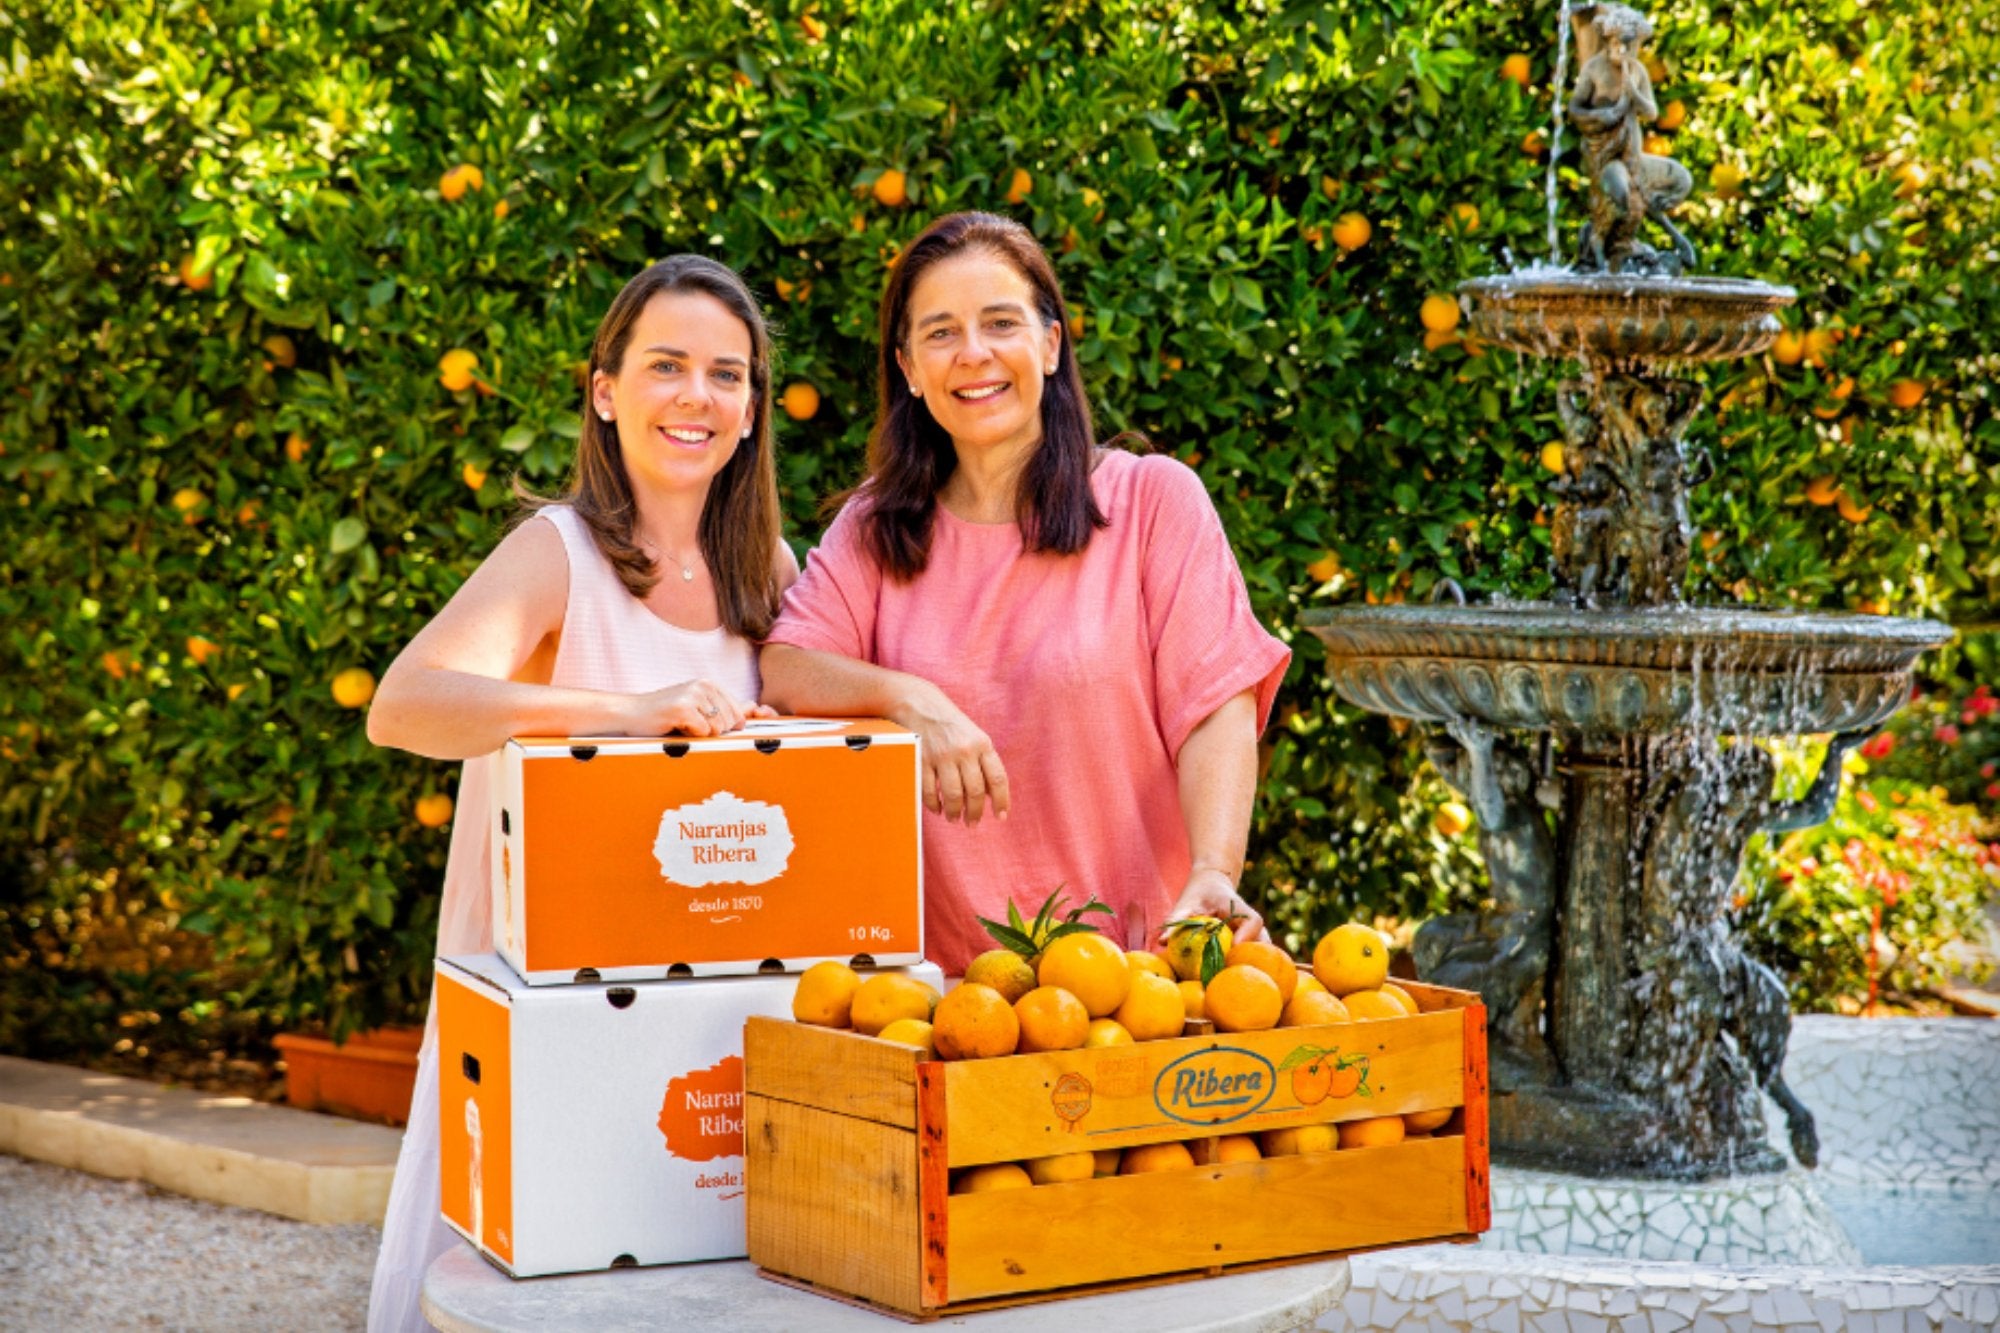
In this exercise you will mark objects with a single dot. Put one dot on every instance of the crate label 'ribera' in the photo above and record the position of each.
(723, 840)
(1215, 1086)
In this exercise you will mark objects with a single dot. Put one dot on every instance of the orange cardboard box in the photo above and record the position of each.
(596, 1126)
(792, 841)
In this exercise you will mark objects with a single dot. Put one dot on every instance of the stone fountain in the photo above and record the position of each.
(1605, 739)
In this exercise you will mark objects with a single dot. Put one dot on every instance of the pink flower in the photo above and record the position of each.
(1987, 769)
(1946, 734)
(1866, 800)
(1969, 717)
(1878, 746)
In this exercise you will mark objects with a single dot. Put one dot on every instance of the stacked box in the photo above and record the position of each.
(768, 849)
(596, 1125)
(853, 1143)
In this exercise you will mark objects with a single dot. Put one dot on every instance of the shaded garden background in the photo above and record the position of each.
(236, 244)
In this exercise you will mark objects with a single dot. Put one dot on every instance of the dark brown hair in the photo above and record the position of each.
(739, 529)
(910, 456)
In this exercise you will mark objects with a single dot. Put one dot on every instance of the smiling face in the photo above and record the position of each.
(681, 397)
(977, 350)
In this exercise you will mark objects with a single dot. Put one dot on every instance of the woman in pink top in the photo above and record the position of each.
(632, 607)
(1064, 626)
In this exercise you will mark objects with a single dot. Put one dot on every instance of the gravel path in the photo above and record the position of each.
(79, 1252)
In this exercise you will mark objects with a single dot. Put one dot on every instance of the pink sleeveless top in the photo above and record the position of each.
(610, 642)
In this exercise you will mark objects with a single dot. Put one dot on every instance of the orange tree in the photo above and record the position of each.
(291, 292)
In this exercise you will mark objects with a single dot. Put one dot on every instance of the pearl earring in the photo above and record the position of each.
(915, 392)
(605, 415)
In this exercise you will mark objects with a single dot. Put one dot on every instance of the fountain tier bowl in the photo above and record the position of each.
(1626, 320)
(1605, 673)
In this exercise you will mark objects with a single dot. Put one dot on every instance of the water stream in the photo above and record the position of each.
(1556, 127)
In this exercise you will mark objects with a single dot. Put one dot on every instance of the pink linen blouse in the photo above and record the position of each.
(1087, 671)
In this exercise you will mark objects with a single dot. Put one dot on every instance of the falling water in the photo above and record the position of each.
(1556, 126)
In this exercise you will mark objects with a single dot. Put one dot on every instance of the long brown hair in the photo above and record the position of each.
(910, 456)
(739, 528)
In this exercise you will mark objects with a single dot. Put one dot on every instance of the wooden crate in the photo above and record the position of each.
(850, 1143)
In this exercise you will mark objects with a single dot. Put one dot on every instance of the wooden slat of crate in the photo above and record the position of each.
(1137, 1226)
(1433, 998)
(834, 1070)
(1065, 1101)
(1478, 1186)
(834, 1200)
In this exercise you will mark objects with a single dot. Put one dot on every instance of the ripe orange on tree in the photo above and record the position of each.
(1452, 819)
(891, 189)
(201, 649)
(195, 279)
(1515, 69)
(1788, 348)
(455, 369)
(1020, 186)
(800, 401)
(354, 687)
(1672, 115)
(1907, 393)
(434, 809)
(1352, 231)
(1439, 312)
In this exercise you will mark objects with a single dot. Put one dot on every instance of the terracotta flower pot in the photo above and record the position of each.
(369, 1077)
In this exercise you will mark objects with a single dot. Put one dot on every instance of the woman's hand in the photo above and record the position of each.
(1211, 893)
(962, 770)
(691, 708)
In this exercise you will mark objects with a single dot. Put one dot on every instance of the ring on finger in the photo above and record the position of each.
(710, 711)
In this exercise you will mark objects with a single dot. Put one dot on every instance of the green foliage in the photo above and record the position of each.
(1809, 901)
(1187, 162)
(1029, 939)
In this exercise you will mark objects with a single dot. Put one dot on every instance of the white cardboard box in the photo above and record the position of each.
(593, 1126)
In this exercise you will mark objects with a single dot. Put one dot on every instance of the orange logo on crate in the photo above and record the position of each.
(1215, 1086)
(1071, 1098)
(701, 1116)
(1320, 1072)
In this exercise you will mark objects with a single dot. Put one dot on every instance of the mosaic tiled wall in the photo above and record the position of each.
(1905, 1106)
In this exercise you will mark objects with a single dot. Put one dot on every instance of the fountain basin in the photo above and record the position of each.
(1625, 320)
(1613, 673)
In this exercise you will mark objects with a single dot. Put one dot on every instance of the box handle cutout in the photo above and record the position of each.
(767, 744)
(675, 749)
(621, 997)
(469, 1064)
(583, 754)
(624, 1261)
(769, 966)
(586, 974)
(506, 825)
(858, 743)
(862, 960)
(679, 972)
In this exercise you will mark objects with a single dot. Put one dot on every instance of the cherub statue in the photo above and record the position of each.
(1613, 99)
(1504, 953)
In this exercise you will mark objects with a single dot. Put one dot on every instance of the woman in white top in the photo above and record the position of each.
(632, 606)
